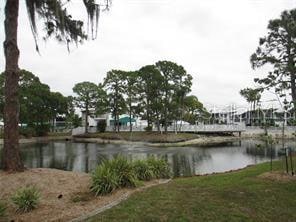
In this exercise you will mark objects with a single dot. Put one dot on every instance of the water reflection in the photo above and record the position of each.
(184, 161)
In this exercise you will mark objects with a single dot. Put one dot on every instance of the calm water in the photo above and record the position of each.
(184, 161)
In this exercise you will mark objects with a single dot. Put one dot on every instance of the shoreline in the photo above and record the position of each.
(41, 139)
(203, 141)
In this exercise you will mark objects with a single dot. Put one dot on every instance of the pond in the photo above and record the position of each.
(184, 161)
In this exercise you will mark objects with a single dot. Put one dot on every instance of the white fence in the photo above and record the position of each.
(289, 130)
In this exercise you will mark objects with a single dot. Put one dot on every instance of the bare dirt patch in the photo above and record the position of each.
(64, 195)
(278, 176)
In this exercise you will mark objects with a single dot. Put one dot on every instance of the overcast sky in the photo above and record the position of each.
(212, 39)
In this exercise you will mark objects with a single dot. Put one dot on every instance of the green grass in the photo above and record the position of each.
(236, 196)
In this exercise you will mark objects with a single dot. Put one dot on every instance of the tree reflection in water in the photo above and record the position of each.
(184, 161)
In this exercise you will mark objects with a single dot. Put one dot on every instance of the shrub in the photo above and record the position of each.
(26, 199)
(142, 170)
(159, 167)
(101, 127)
(27, 132)
(2, 209)
(35, 130)
(104, 179)
(148, 128)
(124, 170)
(42, 130)
(112, 174)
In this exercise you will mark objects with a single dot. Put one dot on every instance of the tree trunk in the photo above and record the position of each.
(118, 123)
(250, 116)
(254, 109)
(116, 111)
(53, 124)
(293, 90)
(130, 114)
(165, 122)
(149, 121)
(182, 113)
(11, 160)
(115, 121)
(86, 118)
(165, 113)
(291, 70)
(158, 122)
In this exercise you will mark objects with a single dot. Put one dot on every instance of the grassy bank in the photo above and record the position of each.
(251, 194)
(59, 134)
(156, 139)
(152, 137)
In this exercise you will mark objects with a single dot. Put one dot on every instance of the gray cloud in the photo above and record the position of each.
(212, 39)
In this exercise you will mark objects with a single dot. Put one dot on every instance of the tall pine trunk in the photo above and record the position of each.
(149, 114)
(115, 122)
(293, 90)
(291, 69)
(86, 119)
(158, 122)
(254, 112)
(130, 114)
(118, 123)
(11, 159)
(166, 112)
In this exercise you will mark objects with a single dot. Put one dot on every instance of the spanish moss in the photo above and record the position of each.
(57, 23)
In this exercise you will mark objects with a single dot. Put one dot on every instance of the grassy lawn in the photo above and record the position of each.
(153, 137)
(236, 196)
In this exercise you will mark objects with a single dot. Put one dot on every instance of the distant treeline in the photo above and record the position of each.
(157, 93)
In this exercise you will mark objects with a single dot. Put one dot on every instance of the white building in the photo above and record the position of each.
(94, 119)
